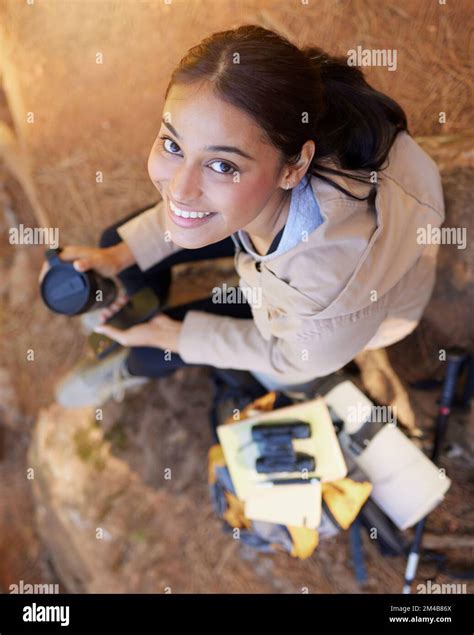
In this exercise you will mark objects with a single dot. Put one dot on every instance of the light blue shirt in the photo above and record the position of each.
(304, 217)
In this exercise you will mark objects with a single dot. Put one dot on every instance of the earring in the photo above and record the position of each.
(287, 185)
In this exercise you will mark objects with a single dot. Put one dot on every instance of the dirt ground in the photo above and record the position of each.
(86, 120)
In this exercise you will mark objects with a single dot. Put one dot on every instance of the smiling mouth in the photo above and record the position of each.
(186, 214)
(187, 219)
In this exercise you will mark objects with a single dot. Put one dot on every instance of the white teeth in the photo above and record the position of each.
(185, 214)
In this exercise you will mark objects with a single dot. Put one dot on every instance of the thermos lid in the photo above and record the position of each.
(63, 289)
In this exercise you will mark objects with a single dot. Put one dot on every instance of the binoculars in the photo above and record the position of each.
(275, 444)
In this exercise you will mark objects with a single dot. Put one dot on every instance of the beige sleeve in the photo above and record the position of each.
(226, 342)
(146, 237)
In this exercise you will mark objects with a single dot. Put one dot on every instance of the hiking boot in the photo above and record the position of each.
(92, 382)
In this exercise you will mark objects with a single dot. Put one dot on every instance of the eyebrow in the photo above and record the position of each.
(232, 149)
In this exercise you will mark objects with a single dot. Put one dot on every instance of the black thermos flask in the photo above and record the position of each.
(70, 292)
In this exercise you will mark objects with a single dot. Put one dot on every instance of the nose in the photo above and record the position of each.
(185, 184)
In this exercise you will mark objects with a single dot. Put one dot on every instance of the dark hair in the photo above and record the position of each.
(298, 94)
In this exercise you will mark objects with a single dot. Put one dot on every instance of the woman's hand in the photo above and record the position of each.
(108, 261)
(160, 332)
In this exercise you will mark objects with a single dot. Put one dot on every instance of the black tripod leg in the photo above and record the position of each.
(455, 360)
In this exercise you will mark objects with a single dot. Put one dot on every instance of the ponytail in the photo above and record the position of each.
(358, 124)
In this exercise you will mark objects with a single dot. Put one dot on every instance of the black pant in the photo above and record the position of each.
(150, 361)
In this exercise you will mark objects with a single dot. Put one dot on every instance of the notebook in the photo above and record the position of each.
(295, 504)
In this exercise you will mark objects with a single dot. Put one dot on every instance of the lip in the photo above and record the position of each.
(185, 208)
(187, 222)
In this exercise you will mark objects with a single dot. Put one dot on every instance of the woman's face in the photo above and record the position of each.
(211, 158)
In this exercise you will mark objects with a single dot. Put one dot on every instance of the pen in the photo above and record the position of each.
(288, 481)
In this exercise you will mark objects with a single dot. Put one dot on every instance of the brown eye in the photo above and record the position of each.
(228, 168)
(169, 145)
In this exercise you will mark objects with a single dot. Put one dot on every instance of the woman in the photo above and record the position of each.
(289, 160)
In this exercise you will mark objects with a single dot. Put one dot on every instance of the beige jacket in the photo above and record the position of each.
(361, 280)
